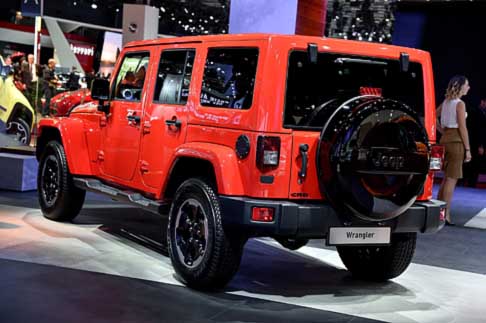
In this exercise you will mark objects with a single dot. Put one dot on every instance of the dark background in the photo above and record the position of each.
(106, 14)
(454, 34)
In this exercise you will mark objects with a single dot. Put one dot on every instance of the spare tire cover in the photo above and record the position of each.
(373, 157)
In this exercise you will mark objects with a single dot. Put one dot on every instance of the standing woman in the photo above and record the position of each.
(452, 113)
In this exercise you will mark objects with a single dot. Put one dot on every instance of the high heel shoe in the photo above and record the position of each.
(449, 223)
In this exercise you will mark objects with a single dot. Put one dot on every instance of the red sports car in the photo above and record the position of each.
(63, 103)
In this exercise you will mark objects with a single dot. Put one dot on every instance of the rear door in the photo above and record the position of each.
(165, 119)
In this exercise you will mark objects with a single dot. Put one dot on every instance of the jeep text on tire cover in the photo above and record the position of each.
(242, 136)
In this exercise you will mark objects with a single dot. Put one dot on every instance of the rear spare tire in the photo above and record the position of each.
(373, 157)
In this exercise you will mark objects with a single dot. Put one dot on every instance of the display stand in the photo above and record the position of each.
(18, 165)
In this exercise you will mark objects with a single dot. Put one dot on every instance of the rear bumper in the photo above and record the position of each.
(296, 220)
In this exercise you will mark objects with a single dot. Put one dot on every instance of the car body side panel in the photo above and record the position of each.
(224, 161)
(74, 141)
(244, 168)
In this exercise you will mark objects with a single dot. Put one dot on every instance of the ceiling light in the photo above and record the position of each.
(94, 5)
(162, 9)
(117, 10)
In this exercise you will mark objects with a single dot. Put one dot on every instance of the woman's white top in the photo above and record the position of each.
(448, 116)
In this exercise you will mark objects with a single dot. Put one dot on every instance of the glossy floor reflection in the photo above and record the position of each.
(109, 266)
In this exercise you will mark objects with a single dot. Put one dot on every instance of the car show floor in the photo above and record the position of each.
(110, 265)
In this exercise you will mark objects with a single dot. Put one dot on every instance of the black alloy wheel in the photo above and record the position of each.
(205, 256)
(191, 233)
(51, 180)
(59, 199)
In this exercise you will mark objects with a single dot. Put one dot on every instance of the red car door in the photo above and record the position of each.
(122, 132)
(165, 119)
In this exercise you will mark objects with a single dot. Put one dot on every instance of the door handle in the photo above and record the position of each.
(133, 120)
(174, 122)
(303, 148)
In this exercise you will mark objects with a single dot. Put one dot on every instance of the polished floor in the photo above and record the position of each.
(109, 265)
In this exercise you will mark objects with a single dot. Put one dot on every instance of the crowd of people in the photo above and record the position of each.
(39, 83)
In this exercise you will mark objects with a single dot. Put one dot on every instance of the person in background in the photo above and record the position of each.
(89, 79)
(477, 135)
(73, 80)
(50, 82)
(452, 125)
(139, 77)
(8, 65)
(29, 78)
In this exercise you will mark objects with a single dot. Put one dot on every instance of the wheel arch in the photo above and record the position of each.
(216, 163)
(20, 110)
(70, 133)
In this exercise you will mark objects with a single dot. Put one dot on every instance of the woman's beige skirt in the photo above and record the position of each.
(454, 153)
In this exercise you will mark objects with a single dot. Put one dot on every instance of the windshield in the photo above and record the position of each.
(341, 77)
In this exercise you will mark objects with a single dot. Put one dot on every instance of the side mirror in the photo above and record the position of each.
(100, 90)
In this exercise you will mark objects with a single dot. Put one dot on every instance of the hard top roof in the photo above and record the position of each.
(334, 43)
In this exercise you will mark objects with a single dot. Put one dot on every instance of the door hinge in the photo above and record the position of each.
(144, 166)
(101, 155)
(103, 121)
(146, 127)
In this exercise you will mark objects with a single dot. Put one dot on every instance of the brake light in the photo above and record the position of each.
(268, 152)
(367, 90)
(442, 214)
(436, 157)
(262, 214)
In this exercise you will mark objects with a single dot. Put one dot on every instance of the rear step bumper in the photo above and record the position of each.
(295, 220)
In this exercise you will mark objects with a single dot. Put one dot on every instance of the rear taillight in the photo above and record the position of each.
(442, 214)
(268, 152)
(262, 214)
(436, 157)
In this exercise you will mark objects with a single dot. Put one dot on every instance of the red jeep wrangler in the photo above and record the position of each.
(240, 136)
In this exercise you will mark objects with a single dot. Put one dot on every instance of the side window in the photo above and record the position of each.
(229, 77)
(131, 77)
(174, 76)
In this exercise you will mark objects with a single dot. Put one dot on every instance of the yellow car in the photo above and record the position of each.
(15, 110)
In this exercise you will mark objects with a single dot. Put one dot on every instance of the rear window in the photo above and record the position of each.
(229, 78)
(337, 76)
